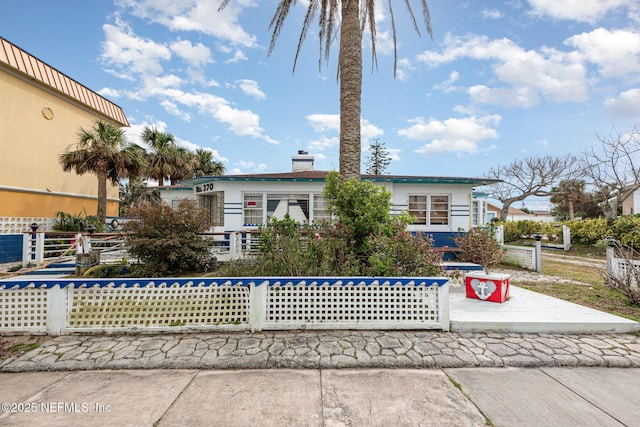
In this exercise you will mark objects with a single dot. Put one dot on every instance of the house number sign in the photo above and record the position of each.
(206, 187)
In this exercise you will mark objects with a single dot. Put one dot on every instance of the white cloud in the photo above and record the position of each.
(237, 57)
(508, 97)
(394, 153)
(368, 130)
(324, 143)
(447, 86)
(195, 55)
(195, 15)
(324, 122)
(616, 52)
(491, 14)
(251, 88)
(578, 10)
(130, 52)
(172, 108)
(243, 167)
(627, 104)
(240, 122)
(331, 122)
(110, 93)
(452, 135)
(551, 74)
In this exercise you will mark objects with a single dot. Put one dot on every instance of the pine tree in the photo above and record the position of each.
(378, 159)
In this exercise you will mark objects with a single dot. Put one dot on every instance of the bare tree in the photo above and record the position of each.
(532, 176)
(613, 169)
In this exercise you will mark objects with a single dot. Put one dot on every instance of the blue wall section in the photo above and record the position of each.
(10, 248)
(444, 238)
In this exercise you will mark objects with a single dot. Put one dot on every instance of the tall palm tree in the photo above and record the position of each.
(168, 160)
(103, 150)
(206, 165)
(354, 16)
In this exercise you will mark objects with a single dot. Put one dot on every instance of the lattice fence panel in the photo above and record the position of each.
(114, 307)
(23, 309)
(351, 304)
(525, 257)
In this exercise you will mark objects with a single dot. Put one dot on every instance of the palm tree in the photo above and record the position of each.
(206, 166)
(168, 160)
(568, 192)
(103, 150)
(354, 15)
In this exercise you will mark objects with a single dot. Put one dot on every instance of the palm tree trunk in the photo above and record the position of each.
(350, 68)
(102, 196)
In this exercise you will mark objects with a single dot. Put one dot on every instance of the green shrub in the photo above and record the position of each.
(168, 240)
(479, 246)
(287, 248)
(626, 229)
(403, 254)
(68, 222)
(589, 231)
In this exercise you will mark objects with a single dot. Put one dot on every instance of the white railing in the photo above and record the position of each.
(62, 306)
(523, 256)
(233, 245)
(625, 270)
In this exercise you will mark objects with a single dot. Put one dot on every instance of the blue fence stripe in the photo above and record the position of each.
(223, 281)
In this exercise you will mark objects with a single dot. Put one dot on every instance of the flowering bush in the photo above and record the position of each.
(479, 246)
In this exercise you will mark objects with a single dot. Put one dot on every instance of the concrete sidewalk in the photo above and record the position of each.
(369, 397)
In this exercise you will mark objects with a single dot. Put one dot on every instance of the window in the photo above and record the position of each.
(430, 209)
(418, 208)
(253, 208)
(320, 209)
(296, 205)
(214, 204)
(475, 213)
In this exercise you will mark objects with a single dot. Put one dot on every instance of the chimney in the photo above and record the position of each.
(301, 162)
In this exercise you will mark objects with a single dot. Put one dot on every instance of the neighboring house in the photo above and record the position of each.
(41, 112)
(516, 214)
(493, 211)
(631, 205)
(441, 205)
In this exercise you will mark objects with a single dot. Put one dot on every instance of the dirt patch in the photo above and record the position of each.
(17, 345)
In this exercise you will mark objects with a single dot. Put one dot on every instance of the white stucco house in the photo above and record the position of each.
(441, 205)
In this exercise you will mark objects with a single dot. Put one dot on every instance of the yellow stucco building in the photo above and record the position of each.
(41, 112)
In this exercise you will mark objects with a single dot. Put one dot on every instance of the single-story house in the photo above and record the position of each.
(442, 206)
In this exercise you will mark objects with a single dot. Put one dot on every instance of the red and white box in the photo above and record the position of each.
(487, 287)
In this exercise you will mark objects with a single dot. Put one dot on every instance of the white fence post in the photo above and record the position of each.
(26, 249)
(500, 234)
(39, 248)
(32, 249)
(610, 261)
(538, 255)
(566, 237)
(443, 307)
(258, 305)
(57, 309)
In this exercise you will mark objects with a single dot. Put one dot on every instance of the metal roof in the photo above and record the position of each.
(321, 176)
(19, 60)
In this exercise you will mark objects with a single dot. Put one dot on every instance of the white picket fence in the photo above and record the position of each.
(523, 256)
(622, 269)
(62, 306)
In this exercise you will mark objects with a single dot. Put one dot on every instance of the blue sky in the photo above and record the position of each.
(500, 79)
